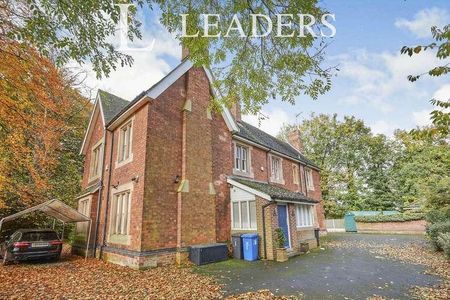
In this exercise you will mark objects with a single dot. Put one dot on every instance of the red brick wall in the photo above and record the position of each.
(197, 207)
(394, 227)
(258, 161)
(163, 165)
(97, 135)
(123, 175)
(222, 166)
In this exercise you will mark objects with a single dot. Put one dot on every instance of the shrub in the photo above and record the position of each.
(437, 216)
(281, 239)
(434, 230)
(444, 242)
(390, 218)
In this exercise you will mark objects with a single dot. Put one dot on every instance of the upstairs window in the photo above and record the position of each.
(295, 174)
(95, 167)
(125, 139)
(120, 213)
(305, 216)
(309, 180)
(276, 169)
(241, 158)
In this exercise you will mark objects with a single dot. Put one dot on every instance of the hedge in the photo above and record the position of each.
(390, 218)
(435, 230)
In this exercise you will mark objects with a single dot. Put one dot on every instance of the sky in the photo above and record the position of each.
(370, 85)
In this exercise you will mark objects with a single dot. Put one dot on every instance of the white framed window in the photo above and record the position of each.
(276, 169)
(295, 174)
(243, 214)
(120, 213)
(304, 215)
(309, 180)
(241, 158)
(95, 164)
(84, 207)
(124, 153)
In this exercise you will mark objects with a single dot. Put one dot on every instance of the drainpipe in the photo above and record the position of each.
(264, 227)
(99, 198)
(107, 193)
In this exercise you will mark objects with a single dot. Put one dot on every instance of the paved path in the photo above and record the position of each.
(338, 273)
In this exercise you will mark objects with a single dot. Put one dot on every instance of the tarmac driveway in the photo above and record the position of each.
(328, 273)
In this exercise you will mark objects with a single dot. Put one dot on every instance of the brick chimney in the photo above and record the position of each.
(236, 111)
(184, 52)
(294, 138)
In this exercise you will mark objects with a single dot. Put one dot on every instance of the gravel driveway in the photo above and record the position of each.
(330, 272)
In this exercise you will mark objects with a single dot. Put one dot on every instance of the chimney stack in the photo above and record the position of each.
(236, 111)
(184, 52)
(294, 138)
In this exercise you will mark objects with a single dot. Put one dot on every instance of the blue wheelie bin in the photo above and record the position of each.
(250, 241)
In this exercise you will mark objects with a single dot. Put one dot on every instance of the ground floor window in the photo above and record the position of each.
(305, 216)
(243, 214)
(120, 213)
(84, 207)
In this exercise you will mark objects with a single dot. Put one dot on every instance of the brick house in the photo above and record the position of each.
(163, 173)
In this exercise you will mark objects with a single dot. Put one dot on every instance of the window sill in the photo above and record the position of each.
(244, 229)
(124, 162)
(92, 179)
(305, 227)
(279, 181)
(241, 173)
(119, 239)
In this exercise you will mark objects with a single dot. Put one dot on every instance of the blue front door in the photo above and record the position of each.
(283, 222)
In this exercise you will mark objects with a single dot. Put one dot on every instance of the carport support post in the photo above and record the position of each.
(88, 239)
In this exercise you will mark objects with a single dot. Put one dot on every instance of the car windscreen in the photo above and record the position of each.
(39, 236)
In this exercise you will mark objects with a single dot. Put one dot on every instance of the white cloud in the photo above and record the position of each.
(421, 118)
(443, 93)
(377, 79)
(147, 69)
(384, 127)
(422, 22)
(272, 122)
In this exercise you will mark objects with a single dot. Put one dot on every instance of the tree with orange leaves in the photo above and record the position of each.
(42, 120)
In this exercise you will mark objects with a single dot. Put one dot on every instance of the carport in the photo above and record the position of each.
(58, 210)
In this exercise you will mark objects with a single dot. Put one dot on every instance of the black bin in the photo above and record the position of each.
(236, 240)
(317, 235)
(208, 253)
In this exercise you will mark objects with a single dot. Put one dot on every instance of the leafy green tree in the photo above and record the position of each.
(340, 150)
(378, 174)
(251, 70)
(440, 117)
(422, 171)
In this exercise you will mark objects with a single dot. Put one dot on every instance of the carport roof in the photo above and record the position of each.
(274, 192)
(53, 208)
